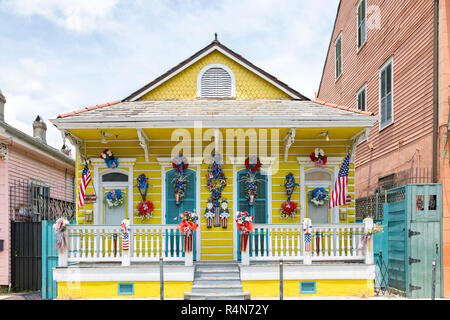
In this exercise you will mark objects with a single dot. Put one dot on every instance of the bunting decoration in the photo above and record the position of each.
(187, 226)
(145, 208)
(253, 165)
(180, 163)
(245, 225)
(289, 208)
(216, 182)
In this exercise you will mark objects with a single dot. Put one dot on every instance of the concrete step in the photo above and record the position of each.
(224, 288)
(217, 296)
(218, 278)
(216, 282)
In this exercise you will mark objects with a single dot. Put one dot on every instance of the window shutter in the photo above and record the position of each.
(216, 82)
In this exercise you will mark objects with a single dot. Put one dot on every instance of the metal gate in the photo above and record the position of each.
(408, 253)
(26, 260)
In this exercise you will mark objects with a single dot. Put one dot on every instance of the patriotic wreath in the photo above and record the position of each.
(114, 198)
(216, 180)
(253, 164)
(319, 157)
(288, 209)
(146, 209)
(245, 225)
(180, 163)
(319, 196)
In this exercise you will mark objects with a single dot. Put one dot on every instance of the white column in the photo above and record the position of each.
(189, 259)
(368, 226)
(63, 257)
(245, 255)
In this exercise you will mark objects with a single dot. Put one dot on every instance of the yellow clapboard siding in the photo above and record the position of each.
(217, 250)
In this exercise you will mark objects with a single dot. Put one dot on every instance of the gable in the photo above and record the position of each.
(248, 85)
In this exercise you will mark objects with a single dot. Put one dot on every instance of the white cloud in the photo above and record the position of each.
(75, 15)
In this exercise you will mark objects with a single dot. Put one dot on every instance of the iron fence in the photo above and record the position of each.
(33, 201)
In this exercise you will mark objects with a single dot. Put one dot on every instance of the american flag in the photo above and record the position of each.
(125, 241)
(339, 194)
(85, 179)
(307, 242)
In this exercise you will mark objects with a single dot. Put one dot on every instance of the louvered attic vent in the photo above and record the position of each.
(216, 83)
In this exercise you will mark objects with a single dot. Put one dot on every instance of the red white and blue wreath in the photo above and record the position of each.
(289, 208)
(216, 182)
(180, 164)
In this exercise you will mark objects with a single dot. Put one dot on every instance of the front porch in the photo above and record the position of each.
(94, 265)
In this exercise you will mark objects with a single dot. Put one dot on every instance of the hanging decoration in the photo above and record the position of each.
(245, 225)
(125, 229)
(319, 158)
(187, 226)
(209, 213)
(60, 227)
(216, 182)
(180, 163)
(318, 196)
(224, 213)
(114, 199)
(109, 158)
(367, 235)
(253, 165)
(289, 208)
(145, 207)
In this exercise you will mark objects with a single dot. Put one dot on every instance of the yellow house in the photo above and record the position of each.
(215, 136)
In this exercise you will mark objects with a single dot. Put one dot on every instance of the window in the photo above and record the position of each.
(361, 99)
(361, 23)
(386, 108)
(338, 56)
(259, 208)
(216, 81)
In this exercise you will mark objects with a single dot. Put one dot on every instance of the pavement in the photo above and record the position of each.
(21, 296)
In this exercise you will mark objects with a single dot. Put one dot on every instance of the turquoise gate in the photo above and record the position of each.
(411, 245)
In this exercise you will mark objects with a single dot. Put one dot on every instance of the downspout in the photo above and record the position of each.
(436, 91)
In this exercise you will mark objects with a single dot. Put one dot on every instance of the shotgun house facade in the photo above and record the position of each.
(391, 58)
(211, 120)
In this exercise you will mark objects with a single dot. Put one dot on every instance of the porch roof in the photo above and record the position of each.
(217, 112)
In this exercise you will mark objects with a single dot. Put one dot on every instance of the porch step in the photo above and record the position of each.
(217, 281)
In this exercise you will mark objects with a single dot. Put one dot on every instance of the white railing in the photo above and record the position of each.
(95, 243)
(285, 241)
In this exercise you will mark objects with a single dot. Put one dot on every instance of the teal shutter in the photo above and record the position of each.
(188, 204)
(259, 209)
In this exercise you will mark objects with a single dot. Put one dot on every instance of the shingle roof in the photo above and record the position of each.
(218, 108)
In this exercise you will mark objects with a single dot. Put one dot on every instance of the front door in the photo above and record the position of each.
(316, 208)
(114, 210)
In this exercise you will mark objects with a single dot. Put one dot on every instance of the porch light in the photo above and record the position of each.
(325, 134)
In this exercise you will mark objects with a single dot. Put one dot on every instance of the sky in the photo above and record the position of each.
(57, 56)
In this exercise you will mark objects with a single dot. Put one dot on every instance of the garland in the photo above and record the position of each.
(253, 164)
(60, 227)
(319, 157)
(216, 182)
(109, 158)
(289, 208)
(187, 226)
(114, 199)
(180, 164)
(245, 225)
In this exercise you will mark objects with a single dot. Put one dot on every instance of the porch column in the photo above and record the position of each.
(306, 243)
(189, 259)
(368, 254)
(63, 257)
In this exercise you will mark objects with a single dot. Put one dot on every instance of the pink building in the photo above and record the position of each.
(27, 163)
(391, 58)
